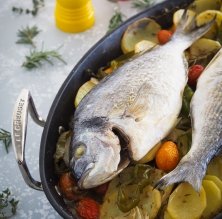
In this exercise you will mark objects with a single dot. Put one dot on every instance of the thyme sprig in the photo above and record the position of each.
(5, 137)
(141, 4)
(8, 205)
(37, 4)
(36, 58)
(27, 34)
(115, 20)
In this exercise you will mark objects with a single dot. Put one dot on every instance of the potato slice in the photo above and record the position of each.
(144, 46)
(109, 208)
(151, 154)
(84, 89)
(207, 16)
(202, 5)
(178, 15)
(150, 202)
(167, 215)
(217, 181)
(214, 201)
(184, 197)
(203, 47)
(143, 29)
(135, 213)
(215, 167)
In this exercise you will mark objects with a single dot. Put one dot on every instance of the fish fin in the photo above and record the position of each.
(139, 107)
(190, 32)
(185, 171)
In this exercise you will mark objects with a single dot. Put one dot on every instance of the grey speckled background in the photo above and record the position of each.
(43, 83)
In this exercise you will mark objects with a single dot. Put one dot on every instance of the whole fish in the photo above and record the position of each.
(130, 111)
(206, 114)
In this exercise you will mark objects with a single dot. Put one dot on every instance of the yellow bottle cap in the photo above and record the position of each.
(74, 15)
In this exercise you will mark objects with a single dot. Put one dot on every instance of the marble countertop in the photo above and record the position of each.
(43, 83)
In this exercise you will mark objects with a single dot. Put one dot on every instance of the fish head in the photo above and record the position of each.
(97, 157)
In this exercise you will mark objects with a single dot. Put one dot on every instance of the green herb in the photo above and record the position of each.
(37, 4)
(5, 137)
(8, 205)
(27, 34)
(35, 58)
(115, 20)
(141, 4)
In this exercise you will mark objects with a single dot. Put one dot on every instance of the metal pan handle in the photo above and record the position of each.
(20, 118)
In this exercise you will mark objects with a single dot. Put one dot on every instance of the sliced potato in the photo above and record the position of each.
(184, 197)
(151, 154)
(207, 16)
(84, 89)
(109, 208)
(166, 193)
(217, 181)
(144, 46)
(214, 201)
(167, 215)
(202, 5)
(135, 213)
(215, 167)
(203, 47)
(143, 29)
(178, 15)
(150, 202)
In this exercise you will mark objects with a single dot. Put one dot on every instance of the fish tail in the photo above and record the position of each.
(186, 171)
(189, 32)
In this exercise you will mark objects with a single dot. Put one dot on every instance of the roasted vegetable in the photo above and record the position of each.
(68, 187)
(150, 155)
(144, 46)
(207, 16)
(215, 167)
(178, 15)
(61, 156)
(214, 199)
(167, 157)
(203, 48)
(84, 89)
(216, 180)
(194, 73)
(202, 5)
(143, 29)
(187, 96)
(164, 36)
(186, 203)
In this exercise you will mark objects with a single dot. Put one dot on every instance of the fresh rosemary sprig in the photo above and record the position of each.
(115, 20)
(141, 4)
(8, 205)
(37, 4)
(35, 58)
(27, 34)
(5, 137)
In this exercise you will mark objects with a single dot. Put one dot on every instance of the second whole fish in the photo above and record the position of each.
(129, 112)
(206, 114)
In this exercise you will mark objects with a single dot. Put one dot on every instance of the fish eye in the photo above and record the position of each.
(79, 151)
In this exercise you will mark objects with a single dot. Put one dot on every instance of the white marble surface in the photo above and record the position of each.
(43, 83)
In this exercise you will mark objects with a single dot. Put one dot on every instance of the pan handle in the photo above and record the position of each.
(24, 104)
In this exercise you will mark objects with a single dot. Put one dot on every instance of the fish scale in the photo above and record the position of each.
(130, 111)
